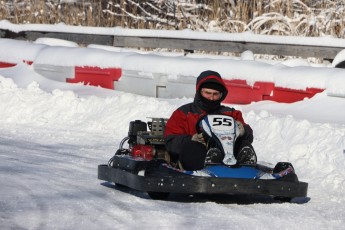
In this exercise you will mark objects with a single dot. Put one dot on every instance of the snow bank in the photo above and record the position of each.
(15, 51)
(52, 142)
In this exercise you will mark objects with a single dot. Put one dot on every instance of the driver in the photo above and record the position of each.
(186, 146)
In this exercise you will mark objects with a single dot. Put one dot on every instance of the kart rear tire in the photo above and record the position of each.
(120, 185)
(158, 195)
(283, 199)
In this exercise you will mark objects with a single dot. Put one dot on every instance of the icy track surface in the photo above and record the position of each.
(51, 144)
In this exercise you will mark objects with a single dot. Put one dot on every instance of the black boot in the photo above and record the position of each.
(246, 156)
(214, 156)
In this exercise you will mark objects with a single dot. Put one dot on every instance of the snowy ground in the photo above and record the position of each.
(53, 136)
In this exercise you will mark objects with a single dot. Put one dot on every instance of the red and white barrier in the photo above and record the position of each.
(240, 91)
(96, 76)
(154, 75)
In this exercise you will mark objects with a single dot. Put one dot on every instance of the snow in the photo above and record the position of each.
(54, 134)
(56, 42)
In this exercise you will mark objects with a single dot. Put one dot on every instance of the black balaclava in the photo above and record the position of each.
(212, 80)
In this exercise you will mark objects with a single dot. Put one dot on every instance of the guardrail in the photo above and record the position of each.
(326, 48)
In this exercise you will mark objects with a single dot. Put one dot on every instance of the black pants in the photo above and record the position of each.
(193, 156)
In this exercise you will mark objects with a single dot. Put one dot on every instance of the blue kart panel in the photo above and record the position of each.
(246, 172)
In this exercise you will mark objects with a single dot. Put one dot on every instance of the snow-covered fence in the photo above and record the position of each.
(187, 40)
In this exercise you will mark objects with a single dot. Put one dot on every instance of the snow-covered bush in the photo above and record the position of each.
(278, 17)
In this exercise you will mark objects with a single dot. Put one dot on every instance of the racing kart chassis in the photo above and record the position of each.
(147, 169)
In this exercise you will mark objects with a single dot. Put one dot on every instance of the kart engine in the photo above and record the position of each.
(147, 144)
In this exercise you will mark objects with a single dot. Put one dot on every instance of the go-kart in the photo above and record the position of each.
(146, 166)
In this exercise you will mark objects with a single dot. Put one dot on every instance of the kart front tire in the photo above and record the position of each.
(283, 199)
(158, 195)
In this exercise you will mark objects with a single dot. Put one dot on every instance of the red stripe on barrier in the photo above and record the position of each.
(287, 95)
(242, 93)
(96, 76)
(6, 64)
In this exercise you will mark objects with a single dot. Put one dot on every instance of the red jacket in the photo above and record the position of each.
(182, 124)
(184, 119)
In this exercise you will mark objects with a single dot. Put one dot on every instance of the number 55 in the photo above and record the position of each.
(222, 121)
